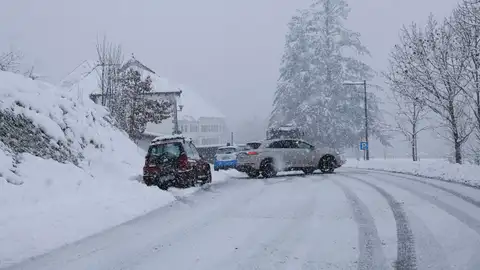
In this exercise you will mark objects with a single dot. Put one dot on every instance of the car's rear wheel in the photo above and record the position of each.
(148, 181)
(208, 179)
(327, 164)
(163, 186)
(253, 173)
(268, 169)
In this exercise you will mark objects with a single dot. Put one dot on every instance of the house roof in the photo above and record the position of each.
(85, 78)
(194, 106)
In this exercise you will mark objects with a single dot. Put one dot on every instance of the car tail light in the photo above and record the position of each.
(252, 153)
(183, 162)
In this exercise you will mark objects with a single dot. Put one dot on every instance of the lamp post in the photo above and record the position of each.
(176, 108)
(364, 83)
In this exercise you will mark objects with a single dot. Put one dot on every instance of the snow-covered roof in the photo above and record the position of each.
(194, 106)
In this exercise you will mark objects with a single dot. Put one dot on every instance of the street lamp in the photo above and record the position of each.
(364, 83)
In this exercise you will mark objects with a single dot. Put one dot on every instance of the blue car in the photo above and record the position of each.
(226, 158)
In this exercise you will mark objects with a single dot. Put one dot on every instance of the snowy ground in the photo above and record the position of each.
(353, 219)
(52, 212)
(44, 203)
(433, 168)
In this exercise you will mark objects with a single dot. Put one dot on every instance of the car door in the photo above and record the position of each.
(306, 154)
(296, 154)
(202, 166)
(282, 152)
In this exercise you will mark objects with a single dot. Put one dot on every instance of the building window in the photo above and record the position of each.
(210, 141)
(184, 128)
(193, 128)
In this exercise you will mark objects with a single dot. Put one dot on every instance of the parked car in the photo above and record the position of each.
(277, 155)
(175, 161)
(226, 157)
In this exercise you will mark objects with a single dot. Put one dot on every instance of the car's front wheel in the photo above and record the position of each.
(327, 164)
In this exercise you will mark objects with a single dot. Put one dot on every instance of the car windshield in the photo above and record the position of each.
(167, 149)
(226, 150)
(253, 145)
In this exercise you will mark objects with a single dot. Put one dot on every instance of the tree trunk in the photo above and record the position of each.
(458, 152)
(413, 149)
(414, 133)
(455, 134)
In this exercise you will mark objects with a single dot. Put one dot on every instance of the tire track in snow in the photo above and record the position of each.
(451, 191)
(406, 256)
(371, 253)
(463, 217)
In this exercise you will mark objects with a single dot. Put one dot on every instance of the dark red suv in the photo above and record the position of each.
(175, 161)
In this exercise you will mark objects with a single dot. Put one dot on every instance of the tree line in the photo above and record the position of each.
(435, 69)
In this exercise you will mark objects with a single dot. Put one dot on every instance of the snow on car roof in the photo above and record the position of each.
(164, 138)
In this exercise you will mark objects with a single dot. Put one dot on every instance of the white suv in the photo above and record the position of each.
(277, 155)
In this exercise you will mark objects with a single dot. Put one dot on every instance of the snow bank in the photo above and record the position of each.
(65, 171)
(432, 168)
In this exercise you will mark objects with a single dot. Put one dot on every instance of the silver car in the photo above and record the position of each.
(277, 155)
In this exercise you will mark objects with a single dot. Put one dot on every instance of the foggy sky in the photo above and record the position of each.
(228, 51)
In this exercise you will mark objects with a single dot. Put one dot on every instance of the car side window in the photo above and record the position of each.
(188, 150)
(281, 144)
(195, 151)
(295, 144)
(304, 145)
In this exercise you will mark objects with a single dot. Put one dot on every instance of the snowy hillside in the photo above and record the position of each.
(65, 172)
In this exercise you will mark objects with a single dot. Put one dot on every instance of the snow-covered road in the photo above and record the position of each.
(353, 219)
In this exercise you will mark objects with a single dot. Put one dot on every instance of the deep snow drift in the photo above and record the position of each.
(432, 168)
(65, 171)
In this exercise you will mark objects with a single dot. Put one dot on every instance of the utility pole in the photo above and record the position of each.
(367, 151)
(364, 83)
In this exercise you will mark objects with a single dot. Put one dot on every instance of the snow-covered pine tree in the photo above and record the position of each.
(294, 73)
(329, 112)
(137, 108)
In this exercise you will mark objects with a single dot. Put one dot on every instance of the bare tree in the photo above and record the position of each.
(10, 61)
(409, 118)
(466, 23)
(110, 59)
(411, 108)
(31, 74)
(432, 63)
